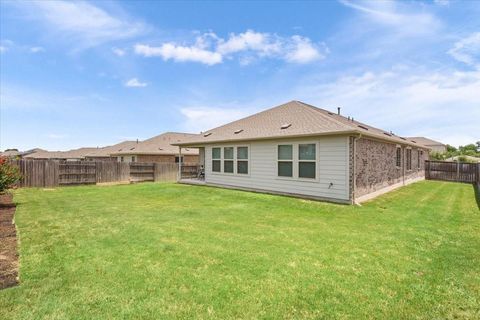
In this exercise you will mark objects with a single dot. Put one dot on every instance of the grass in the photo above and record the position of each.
(163, 251)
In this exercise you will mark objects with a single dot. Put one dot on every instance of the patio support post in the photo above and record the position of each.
(179, 163)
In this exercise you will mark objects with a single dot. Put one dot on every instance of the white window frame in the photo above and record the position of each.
(216, 159)
(285, 160)
(235, 150)
(419, 158)
(295, 161)
(396, 157)
(235, 160)
(406, 158)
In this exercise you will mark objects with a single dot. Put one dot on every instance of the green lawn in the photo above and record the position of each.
(164, 251)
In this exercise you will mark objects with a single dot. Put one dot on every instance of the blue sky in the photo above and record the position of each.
(80, 73)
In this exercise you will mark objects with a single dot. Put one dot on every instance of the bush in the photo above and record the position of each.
(9, 175)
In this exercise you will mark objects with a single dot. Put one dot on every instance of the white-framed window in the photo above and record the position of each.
(242, 160)
(297, 160)
(231, 160)
(285, 160)
(398, 157)
(217, 159)
(228, 159)
(409, 158)
(177, 159)
(307, 160)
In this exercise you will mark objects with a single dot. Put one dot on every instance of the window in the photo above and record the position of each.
(398, 160)
(228, 159)
(177, 159)
(216, 159)
(307, 161)
(133, 158)
(242, 160)
(409, 159)
(285, 160)
(420, 157)
(121, 159)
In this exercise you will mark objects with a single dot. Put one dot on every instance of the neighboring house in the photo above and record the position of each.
(71, 155)
(297, 149)
(105, 153)
(159, 149)
(434, 146)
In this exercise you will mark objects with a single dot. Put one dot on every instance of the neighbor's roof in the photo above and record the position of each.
(71, 154)
(297, 119)
(107, 151)
(426, 141)
(160, 145)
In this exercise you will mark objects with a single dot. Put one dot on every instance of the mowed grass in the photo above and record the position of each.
(160, 251)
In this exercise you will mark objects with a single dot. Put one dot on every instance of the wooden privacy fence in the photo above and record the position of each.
(53, 173)
(452, 171)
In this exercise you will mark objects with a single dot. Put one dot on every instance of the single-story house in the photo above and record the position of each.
(159, 149)
(435, 146)
(105, 153)
(301, 150)
(71, 155)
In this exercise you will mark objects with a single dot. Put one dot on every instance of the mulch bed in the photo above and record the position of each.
(8, 243)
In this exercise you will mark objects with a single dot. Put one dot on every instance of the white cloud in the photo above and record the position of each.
(56, 136)
(398, 16)
(443, 105)
(179, 53)
(135, 83)
(37, 49)
(442, 2)
(303, 51)
(204, 118)
(263, 43)
(80, 23)
(119, 52)
(3, 49)
(467, 50)
(210, 49)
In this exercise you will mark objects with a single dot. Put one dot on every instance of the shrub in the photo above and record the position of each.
(9, 175)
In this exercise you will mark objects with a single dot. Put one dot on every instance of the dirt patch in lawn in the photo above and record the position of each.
(8, 243)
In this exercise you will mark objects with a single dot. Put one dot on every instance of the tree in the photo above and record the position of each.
(451, 148)
(9, 175)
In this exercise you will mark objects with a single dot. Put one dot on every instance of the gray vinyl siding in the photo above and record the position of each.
(332, 167)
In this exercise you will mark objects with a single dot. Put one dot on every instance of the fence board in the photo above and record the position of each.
(452, 171)
(53, 173)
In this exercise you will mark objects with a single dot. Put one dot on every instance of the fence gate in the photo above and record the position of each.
(452, 171)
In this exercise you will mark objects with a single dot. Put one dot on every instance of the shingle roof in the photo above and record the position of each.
(297, 119)
(426, 141)
(160, 145)
(107, 151)
(71, 154)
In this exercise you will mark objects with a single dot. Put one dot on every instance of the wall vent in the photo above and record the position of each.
(285, 126)
(238, 131)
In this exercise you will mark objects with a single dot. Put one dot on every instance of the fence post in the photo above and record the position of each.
(458, 171)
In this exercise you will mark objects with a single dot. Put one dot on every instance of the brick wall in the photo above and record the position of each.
(166, 158)
(375, 165)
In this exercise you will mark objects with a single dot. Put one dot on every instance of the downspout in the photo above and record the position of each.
(354, 180)
(179, 163)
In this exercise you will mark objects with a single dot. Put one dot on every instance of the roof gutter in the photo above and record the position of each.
(197, 144)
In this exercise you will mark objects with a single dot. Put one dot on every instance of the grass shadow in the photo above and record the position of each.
(476, 188)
